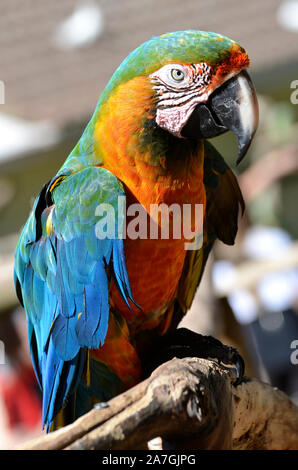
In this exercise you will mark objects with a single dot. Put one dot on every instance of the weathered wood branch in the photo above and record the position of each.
(190, 403)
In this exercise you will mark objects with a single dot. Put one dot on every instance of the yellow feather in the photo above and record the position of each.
(49, 223)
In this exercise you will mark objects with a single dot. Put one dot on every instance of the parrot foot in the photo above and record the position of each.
(186, 343)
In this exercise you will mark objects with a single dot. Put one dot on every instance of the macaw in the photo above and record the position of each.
(97, 306)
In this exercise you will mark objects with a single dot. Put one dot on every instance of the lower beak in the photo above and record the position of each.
(232, 107)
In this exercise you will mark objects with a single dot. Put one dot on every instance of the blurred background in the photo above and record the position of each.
(55, 59)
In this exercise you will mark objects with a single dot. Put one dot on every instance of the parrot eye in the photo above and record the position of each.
(177, 75)
(173, 75)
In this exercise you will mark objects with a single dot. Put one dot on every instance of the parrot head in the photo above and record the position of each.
(199, 87)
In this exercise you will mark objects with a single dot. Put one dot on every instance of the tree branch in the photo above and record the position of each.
(190, 403)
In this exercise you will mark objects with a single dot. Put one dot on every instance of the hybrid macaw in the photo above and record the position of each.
(96, 306)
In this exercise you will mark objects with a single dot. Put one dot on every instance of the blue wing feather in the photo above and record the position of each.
(63, 279)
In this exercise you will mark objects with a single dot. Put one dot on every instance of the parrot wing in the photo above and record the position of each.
(223, 200)
(62, 272)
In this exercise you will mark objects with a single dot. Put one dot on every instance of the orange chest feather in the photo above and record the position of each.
(149, 177)
(154, 168)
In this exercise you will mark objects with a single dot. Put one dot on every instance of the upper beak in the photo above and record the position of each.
(231, 107)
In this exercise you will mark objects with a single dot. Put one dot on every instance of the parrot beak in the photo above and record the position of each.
(231, 107)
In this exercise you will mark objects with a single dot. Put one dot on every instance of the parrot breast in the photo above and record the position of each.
(155, 168)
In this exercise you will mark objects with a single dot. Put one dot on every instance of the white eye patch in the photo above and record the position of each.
(177, 76)
(179, 88)
(173, 75)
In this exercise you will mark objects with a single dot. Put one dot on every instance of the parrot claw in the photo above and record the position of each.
(186, 343)
(240, 369)
(236, 362)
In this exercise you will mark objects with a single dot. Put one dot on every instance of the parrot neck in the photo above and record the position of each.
(154, 165)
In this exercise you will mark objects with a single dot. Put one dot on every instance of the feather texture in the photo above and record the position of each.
(223, 200)
(64, 279)
(75, 284)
